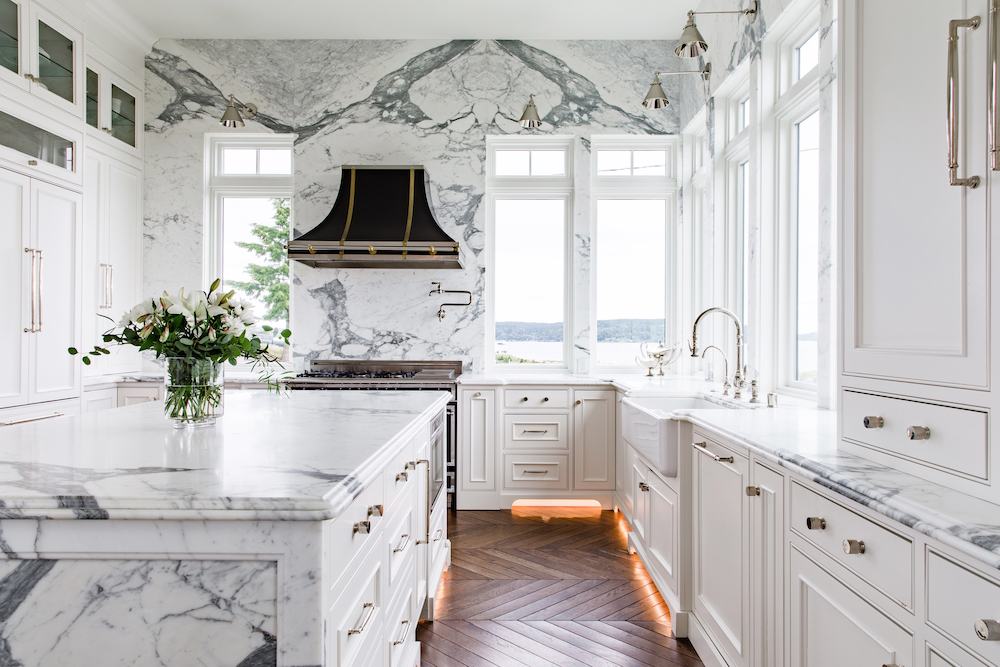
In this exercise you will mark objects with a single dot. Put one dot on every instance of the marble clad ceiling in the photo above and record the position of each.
(407, 19)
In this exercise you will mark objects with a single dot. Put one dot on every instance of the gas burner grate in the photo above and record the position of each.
(359, 375)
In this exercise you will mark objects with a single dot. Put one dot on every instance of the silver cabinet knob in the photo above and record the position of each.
(753, 491)
(854, 547)
(363, 527)
(402, 476)
(579, 402)
(375, 510)
(477, 394)
(988, 630)
(815, 523)
(918, 433)
(874, 422)
(643, 486)
(545, 400)
(524, 400)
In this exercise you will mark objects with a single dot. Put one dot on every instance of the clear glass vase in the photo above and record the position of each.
(194, 392)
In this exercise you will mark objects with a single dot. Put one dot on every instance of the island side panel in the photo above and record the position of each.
(218, 591)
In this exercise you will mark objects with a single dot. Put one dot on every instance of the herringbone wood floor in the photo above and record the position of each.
(547, 586)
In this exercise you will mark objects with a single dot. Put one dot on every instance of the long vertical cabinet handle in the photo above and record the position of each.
(32, 329)
(104, 286)
(953, 105)
(428, 492)
(39, 286)
(111, 285)
(994, 40)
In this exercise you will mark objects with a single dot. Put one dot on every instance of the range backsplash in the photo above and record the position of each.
(389, 102)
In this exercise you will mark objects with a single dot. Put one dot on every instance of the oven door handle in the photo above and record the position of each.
(427, 523)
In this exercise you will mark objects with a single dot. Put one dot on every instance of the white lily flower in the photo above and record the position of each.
(191, 307)
(138, 314)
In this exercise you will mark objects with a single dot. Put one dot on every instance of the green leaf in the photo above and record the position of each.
(285, 333)
(73, 350)
(86, 361)
(266, 327)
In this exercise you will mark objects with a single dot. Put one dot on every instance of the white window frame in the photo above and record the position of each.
(639, 187)
(695, 225)
(794, 101)
(521, 188)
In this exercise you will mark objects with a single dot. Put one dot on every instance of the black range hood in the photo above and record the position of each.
(381, 220)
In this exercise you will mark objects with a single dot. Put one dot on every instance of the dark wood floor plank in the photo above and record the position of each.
(548, 587)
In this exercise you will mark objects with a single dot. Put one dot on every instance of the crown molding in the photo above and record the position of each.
(117, 20)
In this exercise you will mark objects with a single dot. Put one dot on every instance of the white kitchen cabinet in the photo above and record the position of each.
(594, 440)
(39, 411)
(112, 254)
(478, 458)
(41, 249)
(141, 393)
(721, 546)
(114, 104)
(767, 517)
(831, 625)
(640, 498)
(662, 529)
(95, 400)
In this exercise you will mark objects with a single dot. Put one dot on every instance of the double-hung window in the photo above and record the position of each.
(529, 245)
(248, 221)
(635, 277)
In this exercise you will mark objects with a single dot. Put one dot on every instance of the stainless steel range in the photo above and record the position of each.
(343, 374)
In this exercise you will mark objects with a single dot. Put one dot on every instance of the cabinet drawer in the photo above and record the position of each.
(356, 615)
(344, 540)
(536, 471)
(400, 540)
(399, 476)
(958, 437)
(536, 398)
(438, 537)
(958, 597)
(887, 560)
(536, 431)
(400, 629)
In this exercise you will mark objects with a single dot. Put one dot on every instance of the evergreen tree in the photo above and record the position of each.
(269, 280)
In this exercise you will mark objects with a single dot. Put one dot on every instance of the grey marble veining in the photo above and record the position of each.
(388, 102)
(301, 456)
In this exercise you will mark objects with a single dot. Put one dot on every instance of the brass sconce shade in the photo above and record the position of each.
(529, 118)
(657, 99)
(232, 117)
(691, 44)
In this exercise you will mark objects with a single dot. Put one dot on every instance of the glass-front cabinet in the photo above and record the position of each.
(40, 144)
(113, 106)
(42, 54)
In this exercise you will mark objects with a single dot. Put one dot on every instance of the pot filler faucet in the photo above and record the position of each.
(739, 377)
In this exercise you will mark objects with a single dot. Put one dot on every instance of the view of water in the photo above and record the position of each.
(611, 354)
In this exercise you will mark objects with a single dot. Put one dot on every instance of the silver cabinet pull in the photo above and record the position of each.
(32, 163)
(854, 547)
(438, 534)
(39, 286)
(111, 285)
(402, 635)
(816, 523)
(402, 476)
(643, 486)
(370, 607)
(524, 399)
(988, 630)
(994, 103)
(32, 329)
(753, 491)
(873, 422)
(375, 510)
(953, 111)
(362, 527)
(701, 447)
(918, 433)
(32, 419)
(543, 431)
(403, 541)
(537, 472)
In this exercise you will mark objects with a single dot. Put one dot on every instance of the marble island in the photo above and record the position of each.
(128, 542)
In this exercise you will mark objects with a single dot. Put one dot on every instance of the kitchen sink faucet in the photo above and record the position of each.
(739, 382)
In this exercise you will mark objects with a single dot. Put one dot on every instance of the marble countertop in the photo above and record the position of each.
(299, 456)
(804, 440)
(155, 377)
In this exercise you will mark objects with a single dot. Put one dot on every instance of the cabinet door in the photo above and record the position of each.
(477, 456)
(915, 267)
(640, 499)
(15, 287)
(94, 274)
(56, 61)
(136, 395)
(721, 541)
(662, 530)
(56, 225)
(99, 399)
(594, 440)
(620, 482)
(13, 42)
(832, 626)
(124, 244)
(767, 510)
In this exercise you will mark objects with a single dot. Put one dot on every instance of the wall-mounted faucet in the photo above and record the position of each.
(438, 290)
(739, 377)
(725, 367)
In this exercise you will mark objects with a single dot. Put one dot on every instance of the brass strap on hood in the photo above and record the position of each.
(409, 213)
(350, 210)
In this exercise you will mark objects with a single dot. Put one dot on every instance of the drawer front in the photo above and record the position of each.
(357, 616)
(400, 629)
(958, 440)
(400, 543)
(346, 537)
(536, 431)
(400, 477)
(887, 560)
(536, 398)
(438, 536)
(536, 471)
(958, 597)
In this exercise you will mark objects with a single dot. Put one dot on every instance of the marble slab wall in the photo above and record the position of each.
(390, 102)
(138, 612)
